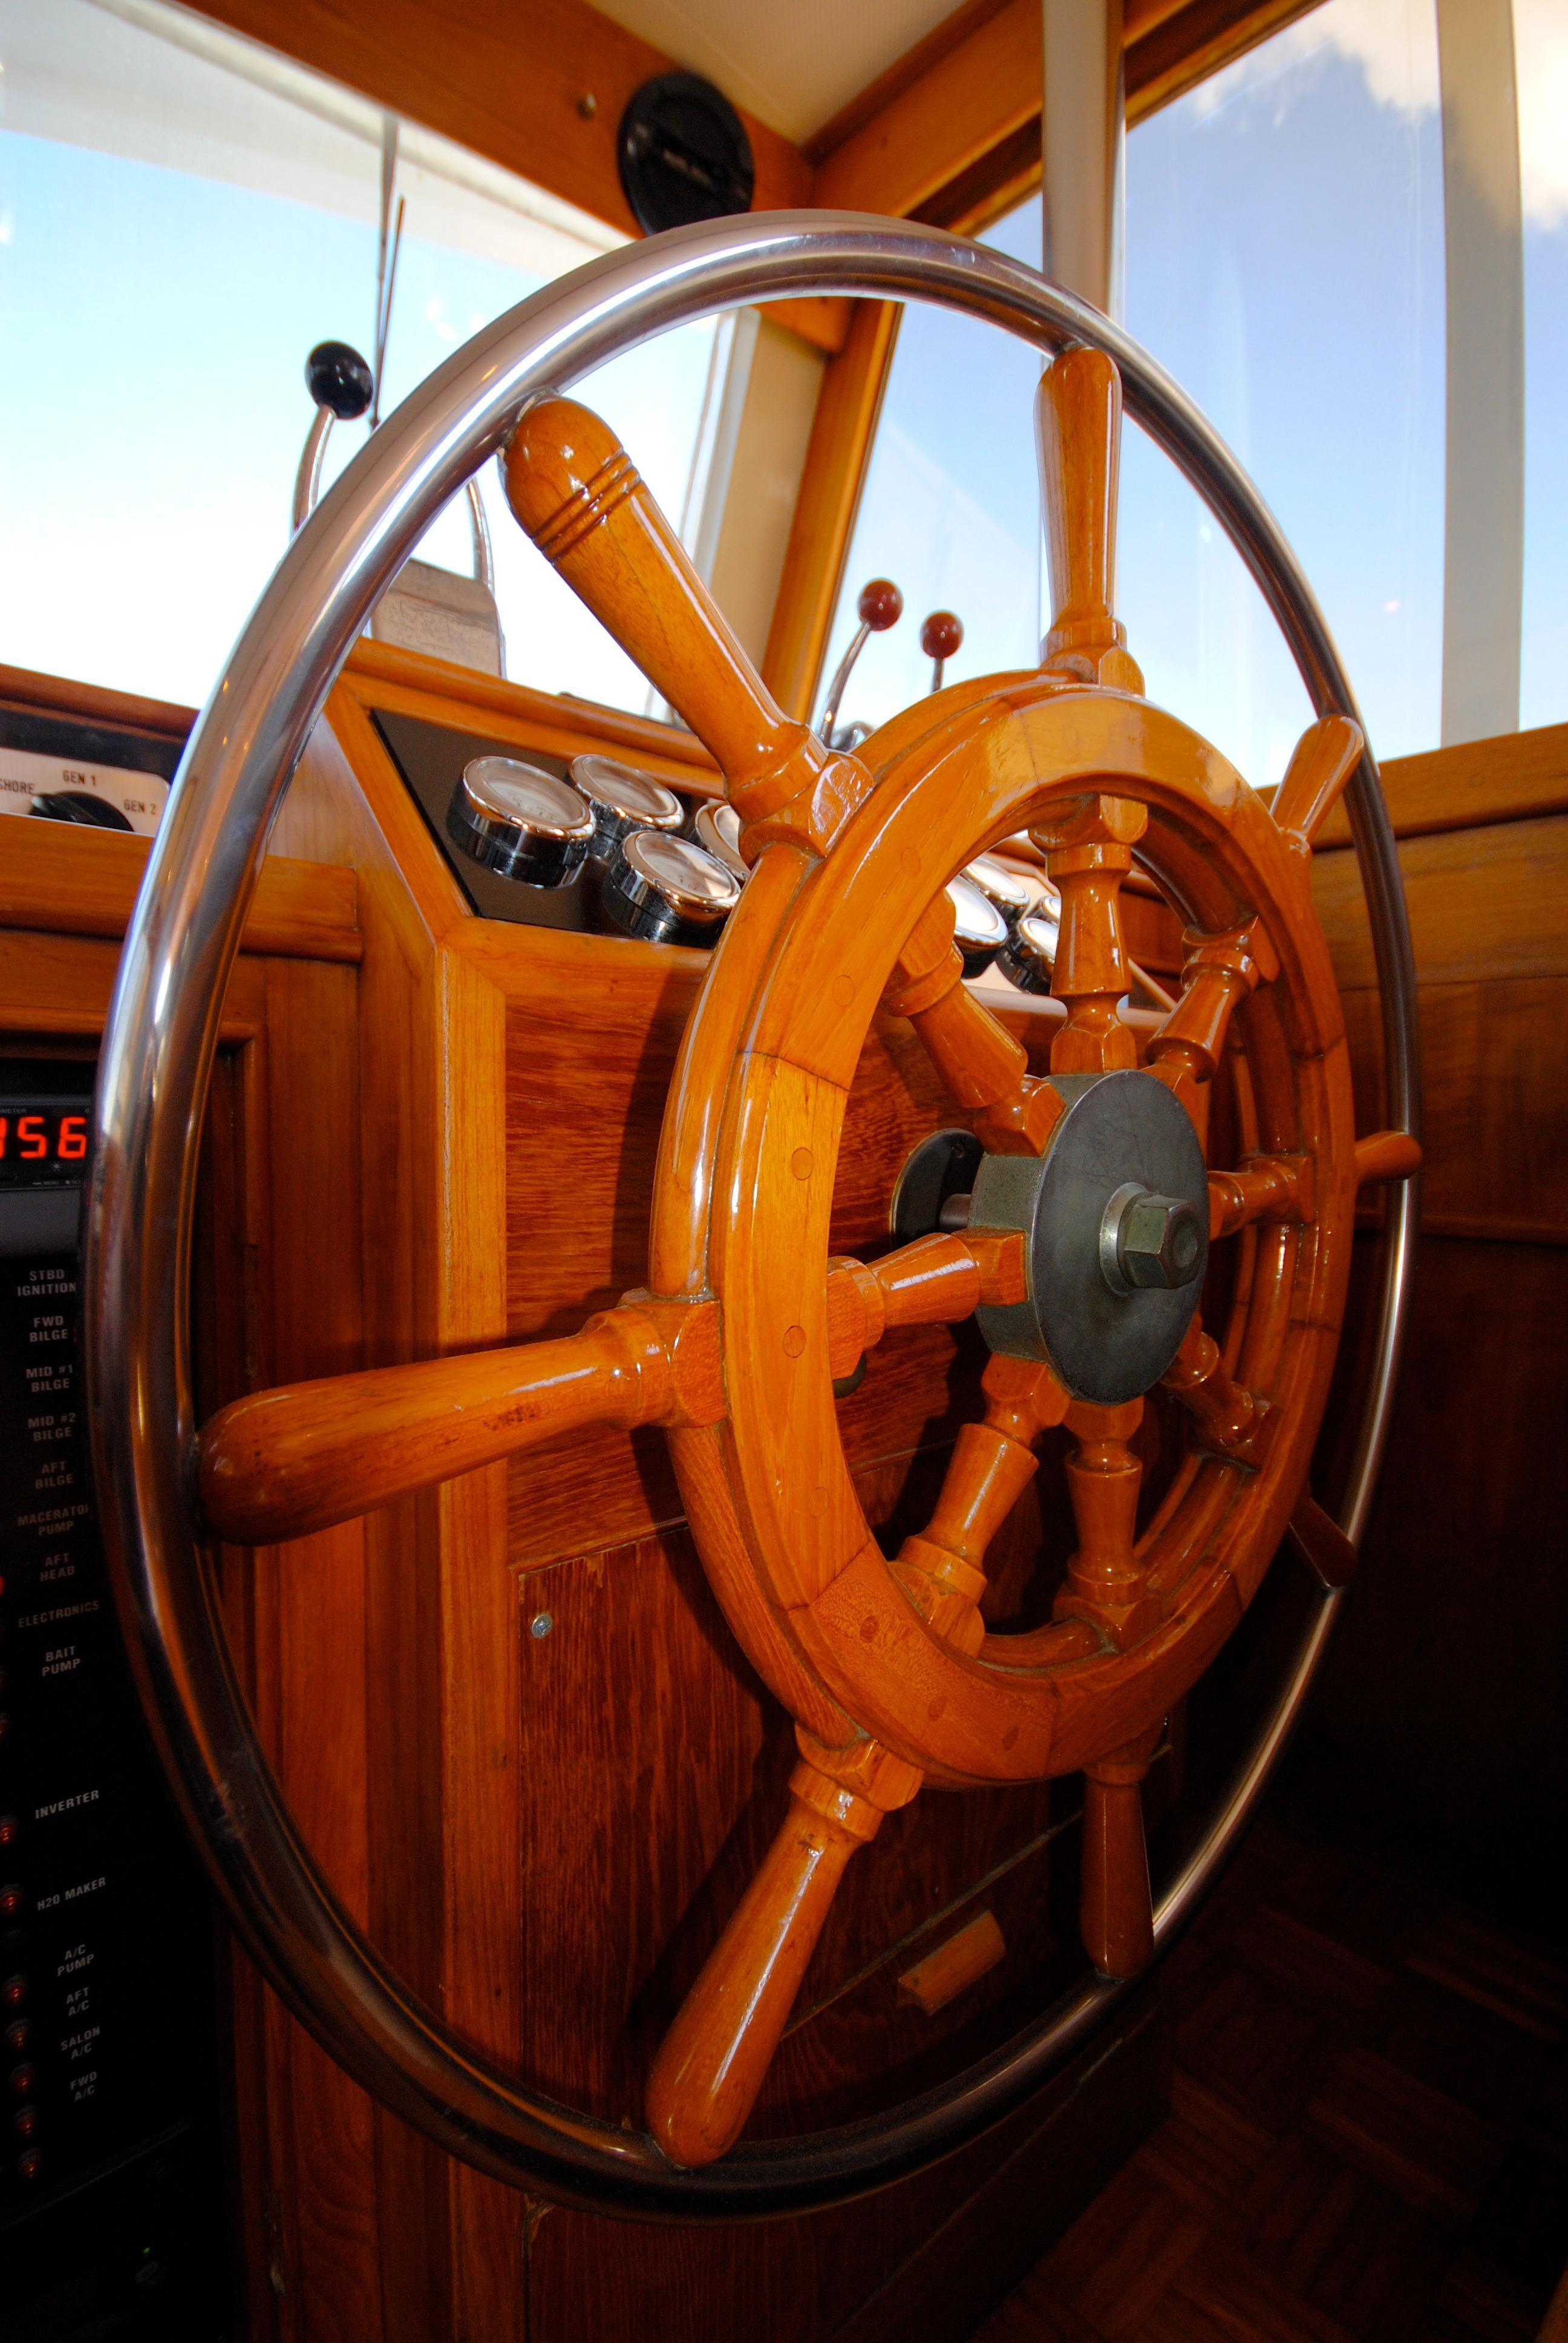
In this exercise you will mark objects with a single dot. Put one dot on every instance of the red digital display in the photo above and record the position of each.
(43, 1141)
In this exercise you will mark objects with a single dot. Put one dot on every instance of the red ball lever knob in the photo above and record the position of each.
(880, 605)
(940, 636)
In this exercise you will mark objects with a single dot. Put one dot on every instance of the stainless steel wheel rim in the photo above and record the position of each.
(156, 1063)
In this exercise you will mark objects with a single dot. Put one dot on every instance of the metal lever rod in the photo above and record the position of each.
(880, 606)
(942, 639)
(342, 385)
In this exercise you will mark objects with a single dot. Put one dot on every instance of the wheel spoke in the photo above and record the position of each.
(1105, 1581)
(985, 1069)
(282, 1463)
(578, 493)
(279, 1464)
(707, 2074)
(1115, 1909)
(1078, 424)
(992, 1463)
(1321, 762)
(1088, 851)
(1219, 972)
(1320, 1542)
(1267, 1188)
(1229, 1420)
(1385, 1156)
(935, 1281)
(1105, 1587)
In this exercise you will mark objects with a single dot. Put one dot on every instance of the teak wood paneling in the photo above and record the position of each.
(433, 1133)
(302, 910)
(280, 1268)
(509, 1096)
(1491, 936)
(1484, 782)
(1483, 902)
(95, 703)
(1464, 1770)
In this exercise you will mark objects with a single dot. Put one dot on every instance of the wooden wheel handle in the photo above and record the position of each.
(581, 498)
(282, 1463)
(712, 2061)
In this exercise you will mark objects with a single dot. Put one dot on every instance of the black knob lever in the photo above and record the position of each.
(342, 385)
(336, 376)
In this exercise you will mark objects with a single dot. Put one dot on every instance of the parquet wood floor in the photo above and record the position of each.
(1368, 2140)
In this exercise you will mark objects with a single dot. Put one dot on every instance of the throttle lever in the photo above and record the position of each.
(342, 385)
(942, 639)
(880, 606)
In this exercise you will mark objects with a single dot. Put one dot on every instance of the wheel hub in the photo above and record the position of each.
(1115, 1217)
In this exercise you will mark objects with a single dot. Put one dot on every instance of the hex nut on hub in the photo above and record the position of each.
(1148, 1241)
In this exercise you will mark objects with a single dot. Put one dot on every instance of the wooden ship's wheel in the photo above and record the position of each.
(1071, 1215)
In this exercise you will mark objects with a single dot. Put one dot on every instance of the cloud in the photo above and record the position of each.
(1394, 42)
(1541, 49)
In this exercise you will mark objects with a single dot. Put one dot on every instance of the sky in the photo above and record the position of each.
(155, 322)
(158, 293)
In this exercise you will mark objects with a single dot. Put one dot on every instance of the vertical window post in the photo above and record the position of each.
(1483, 523)
(1083, 140)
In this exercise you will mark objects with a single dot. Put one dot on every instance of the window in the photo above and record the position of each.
(183, 216)
(1285, 262)
(949, 510)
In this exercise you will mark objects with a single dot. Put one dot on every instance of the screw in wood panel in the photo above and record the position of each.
(540, 1625)
(963, 1961)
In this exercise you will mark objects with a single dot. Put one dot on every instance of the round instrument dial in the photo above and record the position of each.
(1013, 890)
(622, 799)
(520, 820)
(1029, 959)
(979, 930)
(667, 890)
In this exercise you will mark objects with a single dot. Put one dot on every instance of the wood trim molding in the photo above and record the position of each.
(1169, 49)
(61, 880)
(509, 84)
(848, 406)
(1475, 784)
(967, 99)
(956, 105)
(957, 121)
(126, 711)
(382, 675)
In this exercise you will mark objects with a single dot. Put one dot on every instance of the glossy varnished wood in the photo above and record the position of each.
(429, 1624)
(54, 883)
(1483, 860)
(578, 493)
(848, 406)
(1476, 784)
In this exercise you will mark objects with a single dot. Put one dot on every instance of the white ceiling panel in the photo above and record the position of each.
(793, 62)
